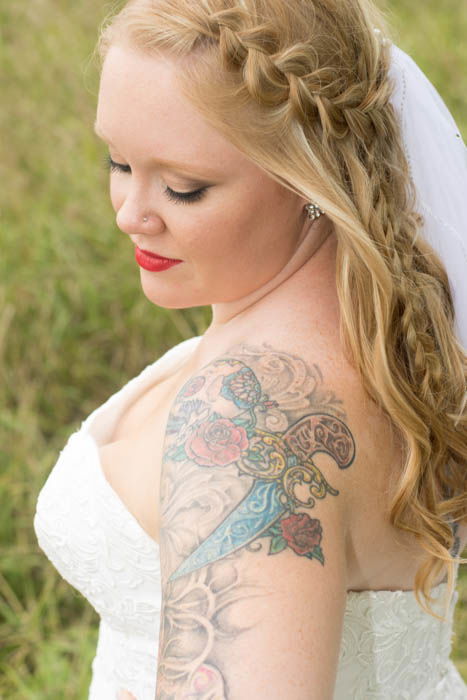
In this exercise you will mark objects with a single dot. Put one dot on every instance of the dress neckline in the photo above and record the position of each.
(120, 399)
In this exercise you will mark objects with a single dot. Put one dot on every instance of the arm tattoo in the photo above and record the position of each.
(238, 460)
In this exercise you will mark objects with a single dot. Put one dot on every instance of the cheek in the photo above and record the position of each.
(205, 234)
(232, 232)
(255, 227)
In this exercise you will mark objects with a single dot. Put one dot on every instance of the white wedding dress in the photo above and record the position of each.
(390, 647)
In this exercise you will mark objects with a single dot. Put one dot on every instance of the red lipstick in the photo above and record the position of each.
(152, 262)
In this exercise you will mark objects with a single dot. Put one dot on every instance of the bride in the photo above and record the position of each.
(262, 511)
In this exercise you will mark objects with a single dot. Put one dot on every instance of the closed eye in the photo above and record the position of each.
(185, 197)
(116, 167)
(173, 195)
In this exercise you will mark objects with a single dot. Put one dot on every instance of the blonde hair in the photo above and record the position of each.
(302, 89)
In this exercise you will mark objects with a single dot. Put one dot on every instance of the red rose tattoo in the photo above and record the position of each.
(301, 532)
(216, 443)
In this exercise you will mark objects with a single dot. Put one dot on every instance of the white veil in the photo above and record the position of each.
(437, 158)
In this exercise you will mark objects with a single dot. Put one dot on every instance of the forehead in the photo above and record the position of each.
(142, 110)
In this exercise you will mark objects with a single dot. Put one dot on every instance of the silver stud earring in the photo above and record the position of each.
(313, 211)
(145, 219)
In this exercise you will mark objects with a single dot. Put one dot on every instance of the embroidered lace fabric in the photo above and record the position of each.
(390, 647)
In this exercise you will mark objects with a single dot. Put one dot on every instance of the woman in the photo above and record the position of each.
(300, 467)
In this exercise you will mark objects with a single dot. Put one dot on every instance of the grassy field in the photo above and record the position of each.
(74, 325)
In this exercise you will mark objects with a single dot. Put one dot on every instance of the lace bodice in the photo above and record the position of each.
(390, 647)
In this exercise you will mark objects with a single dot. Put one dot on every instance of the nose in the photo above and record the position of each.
(136, 215)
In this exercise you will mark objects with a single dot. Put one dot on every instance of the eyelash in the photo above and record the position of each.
(178, 197)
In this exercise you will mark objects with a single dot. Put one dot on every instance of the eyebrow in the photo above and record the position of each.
(180, 168)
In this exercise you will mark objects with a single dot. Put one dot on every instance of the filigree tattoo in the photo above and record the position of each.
(239, 453)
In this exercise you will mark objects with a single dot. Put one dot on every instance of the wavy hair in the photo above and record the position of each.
(301, 87)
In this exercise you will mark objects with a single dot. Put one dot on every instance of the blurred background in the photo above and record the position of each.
(74, 323)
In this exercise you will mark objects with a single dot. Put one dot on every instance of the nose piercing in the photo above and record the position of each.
(145, 219)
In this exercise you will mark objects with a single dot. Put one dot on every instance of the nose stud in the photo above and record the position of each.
(145, 219)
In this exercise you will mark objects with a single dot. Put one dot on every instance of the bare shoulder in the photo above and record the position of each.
(302, 399)
(257, 457)
(297, 401)
(320, 403)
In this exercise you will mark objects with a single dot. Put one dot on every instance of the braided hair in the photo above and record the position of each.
(301, 87)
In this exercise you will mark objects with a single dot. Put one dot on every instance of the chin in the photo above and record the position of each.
(171, 298)
(170, 294)
(170, 302)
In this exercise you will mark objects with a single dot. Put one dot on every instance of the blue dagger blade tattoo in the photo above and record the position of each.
(252, 516)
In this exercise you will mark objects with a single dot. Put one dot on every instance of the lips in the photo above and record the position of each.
(152, 262)
(158, 257)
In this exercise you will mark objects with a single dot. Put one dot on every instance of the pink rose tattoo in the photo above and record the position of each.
(216, 443)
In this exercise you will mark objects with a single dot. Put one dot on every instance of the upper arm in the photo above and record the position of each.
(253, 532)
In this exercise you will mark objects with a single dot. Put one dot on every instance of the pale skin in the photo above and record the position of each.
(245, 216)
(250, 252)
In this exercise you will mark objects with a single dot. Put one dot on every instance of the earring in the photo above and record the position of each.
(313, 211)
(145, 219)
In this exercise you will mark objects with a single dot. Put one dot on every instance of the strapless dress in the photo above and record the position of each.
(390, 647)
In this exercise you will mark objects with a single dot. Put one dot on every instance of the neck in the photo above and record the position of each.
(309, 274)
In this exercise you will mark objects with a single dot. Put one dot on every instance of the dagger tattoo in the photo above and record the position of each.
(281, 463)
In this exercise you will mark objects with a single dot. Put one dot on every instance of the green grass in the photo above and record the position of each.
(74, 324)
